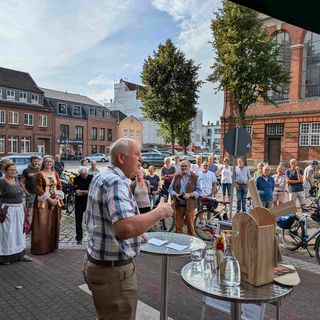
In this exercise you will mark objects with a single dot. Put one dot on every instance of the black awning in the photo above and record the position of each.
(301, 14)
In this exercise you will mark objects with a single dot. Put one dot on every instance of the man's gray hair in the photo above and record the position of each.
(83, 169)
(120, 146)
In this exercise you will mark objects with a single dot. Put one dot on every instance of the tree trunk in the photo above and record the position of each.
(173, 139)
(184, 148)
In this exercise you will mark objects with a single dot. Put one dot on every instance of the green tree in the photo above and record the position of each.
(184, 135)
(246, 64)
(171, 87)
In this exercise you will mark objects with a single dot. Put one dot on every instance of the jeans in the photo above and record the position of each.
(241, 198)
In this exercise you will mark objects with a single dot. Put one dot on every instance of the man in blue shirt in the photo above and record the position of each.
(241, 184)
(265, 186)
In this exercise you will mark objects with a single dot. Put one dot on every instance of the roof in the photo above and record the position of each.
(131, 117)
(72, 97)
(118, 115)
(133, 86)
(289, 11)
(18, 80)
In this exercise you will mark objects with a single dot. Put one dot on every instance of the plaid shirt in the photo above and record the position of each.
(110, 200)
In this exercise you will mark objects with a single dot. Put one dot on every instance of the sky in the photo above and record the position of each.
(85, 46)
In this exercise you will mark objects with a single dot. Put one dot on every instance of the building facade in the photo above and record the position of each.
(130, 127)
(25, 116)
(81, 125)
(211, 136)
(292, 129)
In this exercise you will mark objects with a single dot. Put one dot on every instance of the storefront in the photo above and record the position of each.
(71, 149)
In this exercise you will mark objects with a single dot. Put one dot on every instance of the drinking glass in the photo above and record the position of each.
(196, 256)
(210, 263)
(230, 274)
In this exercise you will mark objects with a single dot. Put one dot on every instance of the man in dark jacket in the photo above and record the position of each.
(265, 186)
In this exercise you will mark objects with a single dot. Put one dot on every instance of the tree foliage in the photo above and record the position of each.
(184, 134)
(246, 65)
(171, 87)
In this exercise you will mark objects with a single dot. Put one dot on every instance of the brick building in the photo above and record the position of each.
(25, 116)
(81, 125)
(291, 130)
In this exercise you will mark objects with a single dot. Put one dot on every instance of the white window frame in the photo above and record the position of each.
(13, 115)
(62, 104)
(99, 113)
(13, 144)
(25, 144)
(138, 134)
(125, 133)
(2, 144)
(2, 116)
(10, 96)
(43, 121)
(75, 115)
(28, 119)
(249, 129)
(309, 134)
(131, 134)
(35, 98)
(0, 93)
(23, 97)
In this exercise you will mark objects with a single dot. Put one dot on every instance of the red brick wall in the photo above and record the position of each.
(289, 113)
(34, 132)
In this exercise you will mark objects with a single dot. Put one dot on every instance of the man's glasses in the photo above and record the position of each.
(184, 166)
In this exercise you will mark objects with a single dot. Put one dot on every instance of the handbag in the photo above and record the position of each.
(3, 212)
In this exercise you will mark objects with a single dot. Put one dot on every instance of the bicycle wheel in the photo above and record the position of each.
(291, 238)
(204, 225)
(70, 204)
(317, 249)
(165, 225)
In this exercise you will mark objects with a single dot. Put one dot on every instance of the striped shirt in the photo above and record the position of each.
(110, 200)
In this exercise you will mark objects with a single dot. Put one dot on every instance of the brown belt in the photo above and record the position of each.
(109, 263)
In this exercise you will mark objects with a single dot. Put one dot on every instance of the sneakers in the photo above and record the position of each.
(26, 258)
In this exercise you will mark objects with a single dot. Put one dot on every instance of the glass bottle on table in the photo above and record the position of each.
(230, 274)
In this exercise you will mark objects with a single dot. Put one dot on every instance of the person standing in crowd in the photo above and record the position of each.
(154, 181)
(58, 164)
(167, 174)
(294, 180)
(81, 186)
(84, 163)
(12, 236)
(176, 164)
(241, 184)
(1, 169)
(185, 190)
(208, 181)
(115, 230)
(196, 168)
(308, 177)
(28, 184)
(93, 169)
(140, 188)
(47, 209)
(258, 172)
(265, 186)
(213, 167)
(279, 193)
(226, 179)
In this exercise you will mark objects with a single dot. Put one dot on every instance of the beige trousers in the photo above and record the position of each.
(114, 290)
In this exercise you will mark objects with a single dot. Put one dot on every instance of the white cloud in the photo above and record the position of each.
(37, 35)
(100, 79)
(104, 95)
(194, 18)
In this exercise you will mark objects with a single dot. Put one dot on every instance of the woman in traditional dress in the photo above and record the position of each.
(12, 236)
(47, 214)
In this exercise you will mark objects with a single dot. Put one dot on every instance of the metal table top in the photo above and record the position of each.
(177, 238)
(245, 293)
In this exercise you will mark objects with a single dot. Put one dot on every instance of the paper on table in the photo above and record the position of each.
(175, 246)
(157, 242)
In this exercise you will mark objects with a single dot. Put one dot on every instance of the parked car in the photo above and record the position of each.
(22, 160)
(152, 158)
(147, 150)
(99, 157)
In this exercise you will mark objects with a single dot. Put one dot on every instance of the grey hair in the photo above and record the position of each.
(120, 146)
(82, 169)
(292, 161)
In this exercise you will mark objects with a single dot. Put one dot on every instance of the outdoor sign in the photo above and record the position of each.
(70, 141)
(237, 141)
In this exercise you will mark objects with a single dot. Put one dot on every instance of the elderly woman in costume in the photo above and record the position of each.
(12, 236)
(47, 209)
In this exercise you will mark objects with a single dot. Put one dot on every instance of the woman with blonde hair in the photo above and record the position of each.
(47, 209)
(258, 172)
(141, 190)
(226, 179)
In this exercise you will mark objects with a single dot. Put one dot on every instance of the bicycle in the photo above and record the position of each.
(295, 232)
(164, 224)
(207, 217)
(69, 199)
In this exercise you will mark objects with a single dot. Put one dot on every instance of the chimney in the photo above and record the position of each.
(217, 123)
(110, 100)
(208, 123)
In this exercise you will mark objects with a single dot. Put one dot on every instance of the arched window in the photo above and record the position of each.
(311, 65)
(284, 58)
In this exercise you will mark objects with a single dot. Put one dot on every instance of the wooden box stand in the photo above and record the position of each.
(255, 245)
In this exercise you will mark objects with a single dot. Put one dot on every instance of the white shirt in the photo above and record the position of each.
(226, 175)
(207, 180)
(195, 169)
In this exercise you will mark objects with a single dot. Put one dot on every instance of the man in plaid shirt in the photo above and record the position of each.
(115, 229)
